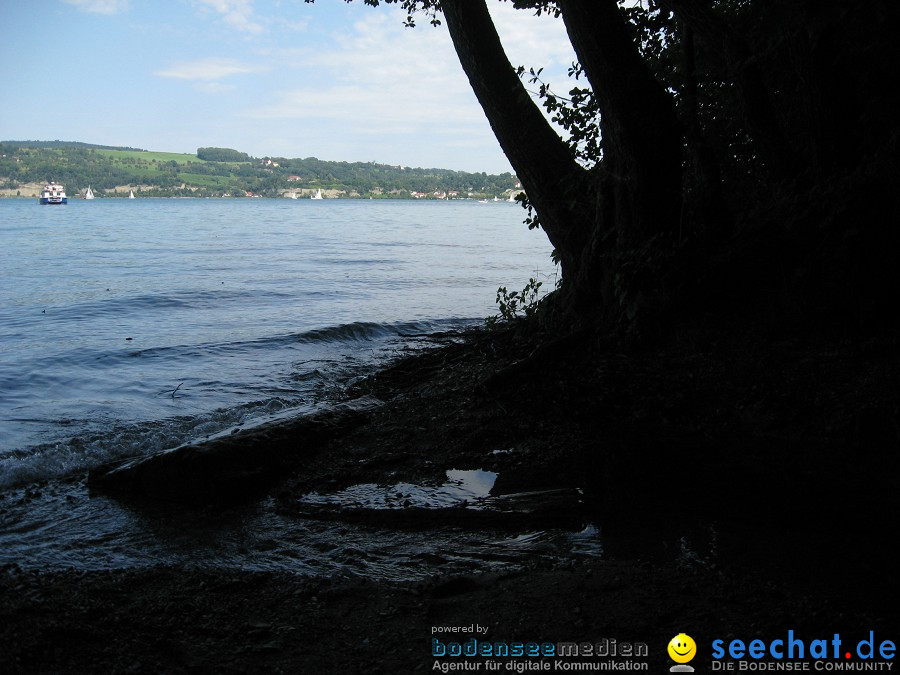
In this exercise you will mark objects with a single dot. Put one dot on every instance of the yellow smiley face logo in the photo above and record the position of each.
(682, 648)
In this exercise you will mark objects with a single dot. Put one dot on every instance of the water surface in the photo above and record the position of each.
(130, 326)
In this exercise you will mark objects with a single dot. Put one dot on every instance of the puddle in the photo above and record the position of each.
(584, 542)
(457, 527)
(463, 488)
(587, 542)
(464, 500)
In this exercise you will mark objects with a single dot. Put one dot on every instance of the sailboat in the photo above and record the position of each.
(131, 194)
(318, 195)
(89, 194)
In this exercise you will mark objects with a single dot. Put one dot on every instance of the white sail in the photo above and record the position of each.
(318, 195)
(89, 194)
(131, 194)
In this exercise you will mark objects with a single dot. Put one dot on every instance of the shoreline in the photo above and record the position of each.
(716, 467)
(36, 195)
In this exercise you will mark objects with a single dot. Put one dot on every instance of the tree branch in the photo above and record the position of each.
(640, 128)
(553, 180)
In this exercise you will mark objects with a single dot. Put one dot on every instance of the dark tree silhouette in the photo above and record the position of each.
(745, 157)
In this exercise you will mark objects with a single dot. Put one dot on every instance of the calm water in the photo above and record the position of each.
(133, 326)
(246, 307)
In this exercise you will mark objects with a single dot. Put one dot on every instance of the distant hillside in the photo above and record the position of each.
(65, 144)
(215, 172)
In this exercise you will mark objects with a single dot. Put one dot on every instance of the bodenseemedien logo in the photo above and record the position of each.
(682, 649)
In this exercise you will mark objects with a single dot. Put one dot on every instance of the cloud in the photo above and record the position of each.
(375, 66)
(213, 87)
(396, 110)
(532, 41)
(292, 25)
(236, 13)
(99, 6)
(369, 82)
(207, 70)
(380, 76)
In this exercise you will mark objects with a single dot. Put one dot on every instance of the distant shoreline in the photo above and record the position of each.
(428, 198)
(218, 172)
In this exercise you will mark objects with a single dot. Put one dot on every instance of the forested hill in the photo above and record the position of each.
(215, 172)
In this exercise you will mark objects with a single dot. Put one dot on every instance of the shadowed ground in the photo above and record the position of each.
(745, 486)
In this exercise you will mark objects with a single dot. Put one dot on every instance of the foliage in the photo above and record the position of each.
(148, 156)
(69, 144)
(516, 305)
(222, 155)
(577, 114)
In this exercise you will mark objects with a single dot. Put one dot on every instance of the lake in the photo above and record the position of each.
(132, 326)
(128, 326)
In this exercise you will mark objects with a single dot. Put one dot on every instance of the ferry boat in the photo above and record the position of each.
(54, 193)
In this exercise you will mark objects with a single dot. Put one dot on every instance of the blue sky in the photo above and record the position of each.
(268, 77)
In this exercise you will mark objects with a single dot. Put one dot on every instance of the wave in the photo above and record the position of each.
(359, 261)
(120, 305)
(318, 378)
(336, 335)
(366, 330)
(356, 331)
(100, 442)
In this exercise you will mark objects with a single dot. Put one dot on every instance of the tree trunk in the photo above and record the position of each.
(753, 94)
(641, 135)
(703, 185)
(555, 183)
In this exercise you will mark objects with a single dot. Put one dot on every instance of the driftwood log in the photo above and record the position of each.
(231, 467)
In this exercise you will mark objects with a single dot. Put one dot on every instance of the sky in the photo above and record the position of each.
(281, 78)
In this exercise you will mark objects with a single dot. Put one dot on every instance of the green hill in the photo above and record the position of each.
(215, 172)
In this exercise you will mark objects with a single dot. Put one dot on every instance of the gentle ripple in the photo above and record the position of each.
(132, 326)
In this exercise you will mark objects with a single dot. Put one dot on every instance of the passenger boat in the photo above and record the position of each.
(54, 193)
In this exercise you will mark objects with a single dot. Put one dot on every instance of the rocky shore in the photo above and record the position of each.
(745, 486)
